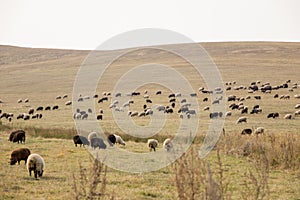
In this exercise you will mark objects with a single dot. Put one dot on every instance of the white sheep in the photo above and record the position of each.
(288, 116)
(297, 106)
(168, 145)
(259, 130)
(36, 164)
(119, 140)
(152, 144)
(241, 119)
(297, 112)
(91, 136)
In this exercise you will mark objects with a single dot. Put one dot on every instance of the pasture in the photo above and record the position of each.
(42, 74)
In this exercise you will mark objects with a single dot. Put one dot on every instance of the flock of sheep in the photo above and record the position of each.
(96, 142)
(177, 105)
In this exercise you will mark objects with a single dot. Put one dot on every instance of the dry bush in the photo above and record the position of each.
(281, 150)
(91, 184)
(195, 180)
(255, 185)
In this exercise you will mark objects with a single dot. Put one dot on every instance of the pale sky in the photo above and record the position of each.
(86, 24)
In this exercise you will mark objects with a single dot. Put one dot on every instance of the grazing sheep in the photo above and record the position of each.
(36, 164)
(68, 103)
(40, 108)
(118, 94)
(168, 145)
(193, 95)
(18, 155)
(26, 100)
(19, 101)
(92, 135)
(152, 144)
(31, 111)
(115, 139)
(119, 140)
(58, 97)
(259, 130)
(99, 117)
(48, 108)
(17, 136)
(148, 101)
(172, 96)
(55, 107)
(26, 117)
(81, 140)
(133, 114)
(206, 108)
(297, 106)
(227, 114)
(161, 108)
(297, 96)
(241, 119)
(158, 92)
(246, 131)
(65, 96)
(288, 116)
(149, 112)
(98, 142)
(297, 112)
(84, 116)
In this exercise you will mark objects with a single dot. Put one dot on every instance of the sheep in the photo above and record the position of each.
(55, 107)
(58, 97)
(297, 112)
(12, 134)
(92, 135)
(84, 116)
(40, 108)
(65, 96)
(148, 101)
(297, 106)
(158, 92)
(17, 136)
(119, 140)
(31, 111)
(36, 164)
(205, 99)
(99, 117)
(81, 140)
(206, 108)
(227, 114)
(19, 100)
(68, 103)
(259, 130)
(241, 119)
(152, 144)
(297, 96)
(247, 131)
(115, 139)
(168, 145)
(133, 114)
(98, 142)
(48, 108)
(288, 116)
(118, 94)
(18, 155)
(172, 96)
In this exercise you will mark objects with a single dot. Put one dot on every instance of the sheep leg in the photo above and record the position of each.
(35, 174)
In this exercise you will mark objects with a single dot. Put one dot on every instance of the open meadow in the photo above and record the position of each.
(256, 166)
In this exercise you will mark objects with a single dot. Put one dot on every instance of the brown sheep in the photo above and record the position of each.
(18, 155)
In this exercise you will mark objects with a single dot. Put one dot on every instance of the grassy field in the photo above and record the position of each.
(42, 74)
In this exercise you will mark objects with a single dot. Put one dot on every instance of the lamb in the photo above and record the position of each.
(18, 155)
(36, 164)
(168, 145)
(152, 144)
(81, 140)
(259, 130)
(241, 119)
